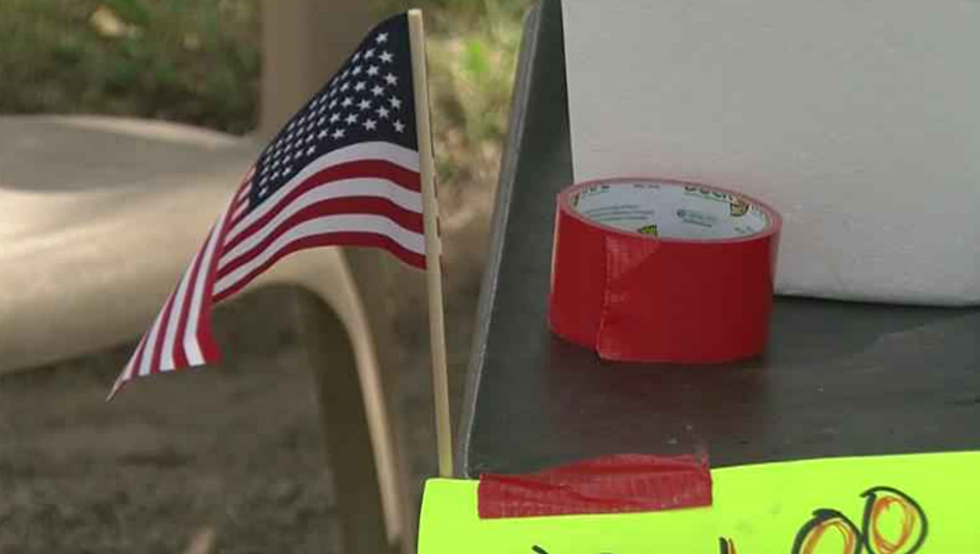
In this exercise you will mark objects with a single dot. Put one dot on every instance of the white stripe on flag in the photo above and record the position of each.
(146, 363)
(176, 315)
(241, 198)
(127, 373)
(239, 211)
(246, 185)
(368, 151)
(191, 346)
(347, 188)
(357, 223)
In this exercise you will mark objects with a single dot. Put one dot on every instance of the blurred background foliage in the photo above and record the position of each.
(198, 62)
(181, 60)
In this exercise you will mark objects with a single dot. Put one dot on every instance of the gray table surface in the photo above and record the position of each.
(838, 378)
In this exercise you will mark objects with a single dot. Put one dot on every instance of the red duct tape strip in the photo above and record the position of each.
(612, 484)
(663, 271)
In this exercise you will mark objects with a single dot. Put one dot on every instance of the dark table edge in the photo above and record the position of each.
(505, 187)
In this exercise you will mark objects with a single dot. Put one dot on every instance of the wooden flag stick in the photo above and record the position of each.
(433, 246)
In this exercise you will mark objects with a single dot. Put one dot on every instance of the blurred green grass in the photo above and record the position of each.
(472, 51)
(198, 61)
(182, 60)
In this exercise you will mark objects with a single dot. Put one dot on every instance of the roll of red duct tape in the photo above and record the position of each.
(663, 271)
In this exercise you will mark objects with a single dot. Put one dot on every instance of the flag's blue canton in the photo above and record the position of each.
(371, 98)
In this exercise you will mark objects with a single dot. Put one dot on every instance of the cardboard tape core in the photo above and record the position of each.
(670, 210)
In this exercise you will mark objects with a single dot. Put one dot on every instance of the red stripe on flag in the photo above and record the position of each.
(241, 197)
(331, 239)
(180, 356)
(138, 357)
(209, 348)
(238, 215)
(162, 334)
(373, 169)
(245, 186)
(127, 372)
(238, 204)
(411, 221)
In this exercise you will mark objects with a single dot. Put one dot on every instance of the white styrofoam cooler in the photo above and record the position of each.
(859, 120)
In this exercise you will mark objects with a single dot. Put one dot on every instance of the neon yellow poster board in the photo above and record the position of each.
(926, 503)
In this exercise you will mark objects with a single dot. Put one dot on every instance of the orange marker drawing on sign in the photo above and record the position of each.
(876, 535)
(814, 533)
(912, 530)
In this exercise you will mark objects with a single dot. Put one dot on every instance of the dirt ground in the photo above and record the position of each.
(226, 459)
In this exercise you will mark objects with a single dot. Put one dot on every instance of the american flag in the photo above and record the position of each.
(343, 171)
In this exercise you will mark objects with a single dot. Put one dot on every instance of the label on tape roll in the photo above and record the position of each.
(659, 270)
(666, 210)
